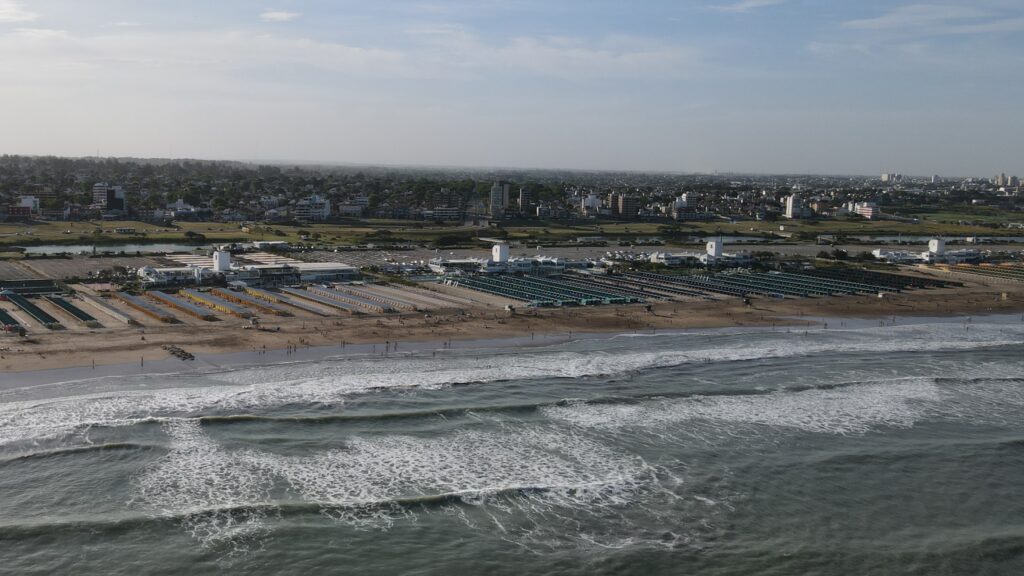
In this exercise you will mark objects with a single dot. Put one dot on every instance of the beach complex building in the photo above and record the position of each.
(272, 271)
(501, 263)
(936, 254)
(714, 255)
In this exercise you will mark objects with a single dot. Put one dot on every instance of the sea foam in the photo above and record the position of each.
(220, 494)
(332, 382)
(853, 409)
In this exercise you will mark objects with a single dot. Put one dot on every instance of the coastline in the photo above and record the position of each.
(142, 347)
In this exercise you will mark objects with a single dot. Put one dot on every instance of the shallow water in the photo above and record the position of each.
(883, 449)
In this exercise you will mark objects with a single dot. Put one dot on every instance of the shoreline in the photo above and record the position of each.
(141, 347)
(227, 361)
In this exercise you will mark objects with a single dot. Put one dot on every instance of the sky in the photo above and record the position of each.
(766, 86)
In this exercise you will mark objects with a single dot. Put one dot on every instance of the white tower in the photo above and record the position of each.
(714, 248)
(499, 253)
(937, 246)
(222, 261)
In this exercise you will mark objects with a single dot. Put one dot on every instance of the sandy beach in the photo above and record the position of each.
(114, 344)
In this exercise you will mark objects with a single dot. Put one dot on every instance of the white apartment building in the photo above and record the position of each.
(312, 209)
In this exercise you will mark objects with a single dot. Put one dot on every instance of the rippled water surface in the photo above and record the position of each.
(896, 449)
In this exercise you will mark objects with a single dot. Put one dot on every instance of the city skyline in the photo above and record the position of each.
(755, 86)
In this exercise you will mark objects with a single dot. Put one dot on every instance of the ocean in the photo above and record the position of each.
(859, 449)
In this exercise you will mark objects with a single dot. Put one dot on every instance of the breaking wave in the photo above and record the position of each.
(222, 495)
(332, 382)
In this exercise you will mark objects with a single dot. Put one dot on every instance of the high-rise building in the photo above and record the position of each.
(629, 206)
(108, 198)
(613, 203)
(500, 192)
(527, 201)
(794, 206)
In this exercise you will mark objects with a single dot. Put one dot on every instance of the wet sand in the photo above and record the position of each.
(44, 350)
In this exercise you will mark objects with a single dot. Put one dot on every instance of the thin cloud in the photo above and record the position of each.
(455, 50)
(40, 33)
(11, 11)
(206, 56)
(837, 48)
(916, 16)
(990, 27)
(745, 6)
(564, 57)
(279, 16)
(201, 56)
(938, 20)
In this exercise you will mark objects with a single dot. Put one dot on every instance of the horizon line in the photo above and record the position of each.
(442, 167)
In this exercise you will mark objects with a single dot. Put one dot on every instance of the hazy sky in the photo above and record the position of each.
(825, 86)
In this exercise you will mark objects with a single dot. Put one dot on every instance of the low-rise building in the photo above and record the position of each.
(30, 202)
(936, 254)
(868, 210)
(447, 214)
(536, 265)
(350, 210)
(270, 245)
(714, 255)
(266, 275)
(312, 209)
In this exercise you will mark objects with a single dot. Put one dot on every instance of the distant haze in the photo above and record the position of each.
(770, 86)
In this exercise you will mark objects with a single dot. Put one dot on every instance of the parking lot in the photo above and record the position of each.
(13, 270)
(82, 267)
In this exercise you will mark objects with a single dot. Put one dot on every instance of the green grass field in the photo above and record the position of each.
(13, 234)
(754, 228)
(361, 232)
(979, 215)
